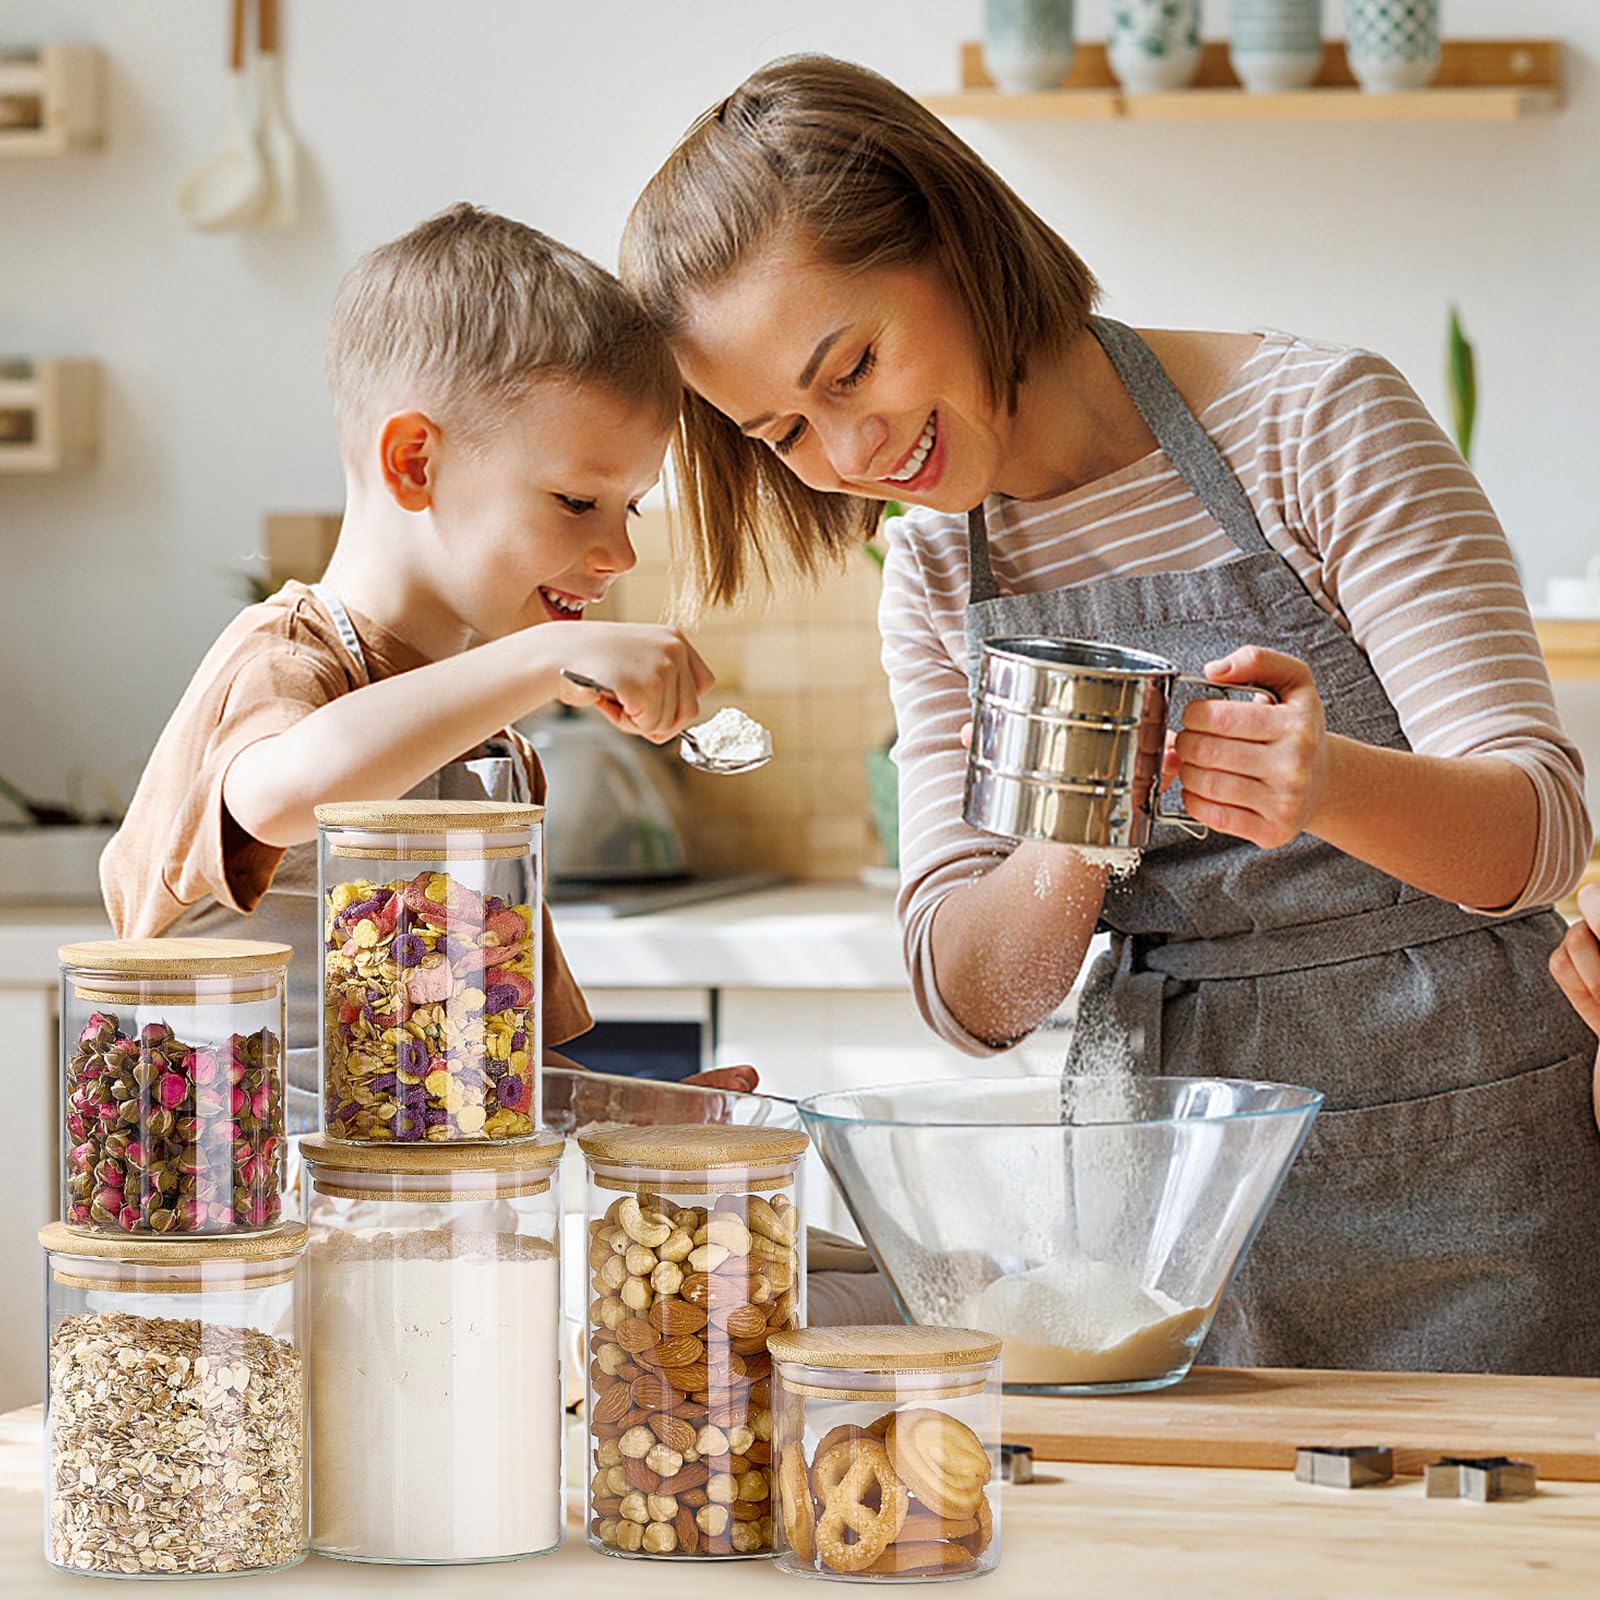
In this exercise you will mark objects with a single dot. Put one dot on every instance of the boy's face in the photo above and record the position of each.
(533, 525)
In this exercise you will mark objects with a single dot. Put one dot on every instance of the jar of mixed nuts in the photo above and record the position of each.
(172, 1092)
(887, 1453)
(435, 1350)
(696, 1254)
(175, 1403)
(432, 943)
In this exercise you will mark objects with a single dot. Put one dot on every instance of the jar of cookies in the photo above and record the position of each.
(886, 1452)
(696, 1255)
(172, 1086)
(432, 924)
(175, 1403)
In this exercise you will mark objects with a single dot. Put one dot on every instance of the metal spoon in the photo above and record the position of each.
(687, 748)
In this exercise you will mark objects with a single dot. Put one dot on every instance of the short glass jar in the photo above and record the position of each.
(432, 943)
(696, 1253)
(175, 1403)
(887, 1452)
(172, 1085)
(435, 1318)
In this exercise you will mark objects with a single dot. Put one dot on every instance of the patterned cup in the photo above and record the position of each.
(1154, 44)
(1392, 44)
(1027, 44)
(1274, 45)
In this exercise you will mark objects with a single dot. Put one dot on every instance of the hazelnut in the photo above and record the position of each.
(607, 1531)
(637, 1443)
(660, 1539)
(753, 1485)
(612, 1274)
(630, 1536)
(636, 1294)
(711, 1441)
(608, 1455)
(667, 1278)
(712, 1520)
(722, 1488)
(640, 1261)
(740, 1440)
(610, 1358)
(662, 1461)
(747, 1537)
(761, 1426)
(617, 1483)
(662, 1507)
(633, 1508)
(612, 1313)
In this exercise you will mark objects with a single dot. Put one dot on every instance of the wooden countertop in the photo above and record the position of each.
(1076, 1533)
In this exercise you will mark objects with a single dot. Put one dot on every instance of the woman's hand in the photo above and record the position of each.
(1254, 770)
(1575, 964)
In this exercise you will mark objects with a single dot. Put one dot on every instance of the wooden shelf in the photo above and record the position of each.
(1571, 646)
(1479, 80)
(64, 82)
(49, 416)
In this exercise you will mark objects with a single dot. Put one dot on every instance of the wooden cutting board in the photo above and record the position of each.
(1227, 1417)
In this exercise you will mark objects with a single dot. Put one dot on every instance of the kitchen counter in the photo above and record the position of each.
(1085, 1532)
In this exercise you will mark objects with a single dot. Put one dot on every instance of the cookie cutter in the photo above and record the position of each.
(1481, 1478)
(1344, 1466)
(1016, 1463)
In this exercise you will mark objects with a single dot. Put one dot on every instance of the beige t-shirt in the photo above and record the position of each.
(179, 847)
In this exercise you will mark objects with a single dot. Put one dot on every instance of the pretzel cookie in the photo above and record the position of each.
(794, 1500)
(853, 1469)
(942, 1461)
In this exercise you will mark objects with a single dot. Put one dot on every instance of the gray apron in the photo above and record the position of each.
(289, 911)
(1444, 1214)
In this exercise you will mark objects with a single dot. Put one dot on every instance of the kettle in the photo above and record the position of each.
(611, 810)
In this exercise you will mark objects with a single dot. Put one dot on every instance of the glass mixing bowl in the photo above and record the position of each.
(1093, 1223)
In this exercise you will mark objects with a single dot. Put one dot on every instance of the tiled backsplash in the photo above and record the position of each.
(805, 664)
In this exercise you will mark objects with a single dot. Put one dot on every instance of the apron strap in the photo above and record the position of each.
(983, 587)
(341, 620)
(1187, 445)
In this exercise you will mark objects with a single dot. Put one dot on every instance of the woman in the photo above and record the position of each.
(862, 311)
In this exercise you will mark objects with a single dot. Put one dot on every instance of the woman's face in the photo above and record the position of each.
(865, 383)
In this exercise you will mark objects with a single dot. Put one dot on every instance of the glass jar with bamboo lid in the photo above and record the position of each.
(172, 1085)
(435, 1317)
(432, 1015)
(887, 1452)
(175, 1403)
(696, 1254)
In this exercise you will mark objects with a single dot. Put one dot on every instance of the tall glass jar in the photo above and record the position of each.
(172, 1085)
(175, 1403)
(432, 924)
(435, 1350)
(696, 1254)
(888, 1452)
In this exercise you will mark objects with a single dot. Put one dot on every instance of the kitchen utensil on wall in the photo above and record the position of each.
(1067, 742)
(229, 188)
(688, 749)
(272, 126)
(1392, 45)
(1275, 45)
(1154, 44)
(1027, 44)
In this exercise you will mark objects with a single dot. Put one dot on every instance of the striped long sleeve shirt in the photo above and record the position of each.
(1371, 505)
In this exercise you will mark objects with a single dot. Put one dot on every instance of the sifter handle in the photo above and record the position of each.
(1182, 819)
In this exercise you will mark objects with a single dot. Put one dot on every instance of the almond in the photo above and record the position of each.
(749, 1510)
(678, 1350)
(677, 1316)
(757, 1363)
(754, 1346)
(636, 1335)
(651, 1392)
(760, 1453)
(688, 1534)
(692, 1498)
(613, 1405)
(608, 1505)
(686, 1379)
(673, 1432)
(761, 1394)
(641, 1477)
(696, 1288)
(635, 1418)
(741, 1321)
(692, 1475)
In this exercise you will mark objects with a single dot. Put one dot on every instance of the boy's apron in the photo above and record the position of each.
(1444, 1213)
(289, 911)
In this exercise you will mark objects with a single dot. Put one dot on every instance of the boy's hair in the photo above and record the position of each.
(861, 174)
(461, 316)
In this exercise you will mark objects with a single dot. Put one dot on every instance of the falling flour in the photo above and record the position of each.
(1076, 1320)
(731, 735)
(1120, 861)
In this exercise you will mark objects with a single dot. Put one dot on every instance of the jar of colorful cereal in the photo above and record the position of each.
(172, 1085)
(431, 949)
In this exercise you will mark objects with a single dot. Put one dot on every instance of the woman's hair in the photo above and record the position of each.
(463, 314)
(854, 170)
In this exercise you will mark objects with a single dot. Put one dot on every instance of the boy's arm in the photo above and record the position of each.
(381, 740)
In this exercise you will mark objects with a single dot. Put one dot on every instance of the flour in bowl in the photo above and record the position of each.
(1077, 1320)
(731, 735)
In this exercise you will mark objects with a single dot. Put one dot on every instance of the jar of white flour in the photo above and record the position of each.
(435, 1351)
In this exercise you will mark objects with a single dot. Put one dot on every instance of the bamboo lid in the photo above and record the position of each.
(885, 1348)
(430, 816)
(176, 958)
(689, 1147)
(276, 1244)
(402, 1160)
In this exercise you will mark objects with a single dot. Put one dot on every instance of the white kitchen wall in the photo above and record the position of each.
(115, 580)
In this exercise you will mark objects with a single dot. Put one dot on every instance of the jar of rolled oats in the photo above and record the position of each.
(432, 925)
(886, 1452)
(172, 1091)
(175, 1403)
(696, 1254)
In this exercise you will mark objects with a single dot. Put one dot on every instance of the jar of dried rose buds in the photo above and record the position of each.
(435, 1317)
(175, 1403)
(696, 1253)
(431, 949)
(172, 1094)
(886, 1452)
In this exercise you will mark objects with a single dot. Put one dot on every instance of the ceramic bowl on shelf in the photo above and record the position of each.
(1093, 1223)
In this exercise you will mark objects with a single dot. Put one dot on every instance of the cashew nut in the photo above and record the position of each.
(646, 1228)
(707, 1257)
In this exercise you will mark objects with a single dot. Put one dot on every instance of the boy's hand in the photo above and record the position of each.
(1254, 770)
(657, 674)
(1575, 964)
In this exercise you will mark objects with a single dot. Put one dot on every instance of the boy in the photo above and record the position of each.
(502, 404)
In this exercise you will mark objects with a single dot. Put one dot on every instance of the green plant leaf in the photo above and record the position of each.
(1462, 373)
